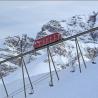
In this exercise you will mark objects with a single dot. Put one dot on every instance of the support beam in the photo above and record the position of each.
(81, 53)
(78, 54)
(23, 75)
(4, 87)
(24, 84)
(51, 78)
(32, 89)
(53, 64)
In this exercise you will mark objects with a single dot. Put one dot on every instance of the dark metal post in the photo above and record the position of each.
(53, 64)
(78, 55)
(28, 76)
(81, 53)
(51, 79)
(23, 71)
(4, 86)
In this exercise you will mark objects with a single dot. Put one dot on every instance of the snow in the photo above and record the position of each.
(39, 67)
(30, 19)
(77, 85)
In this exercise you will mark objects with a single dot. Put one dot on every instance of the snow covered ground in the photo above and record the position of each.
(70, 85)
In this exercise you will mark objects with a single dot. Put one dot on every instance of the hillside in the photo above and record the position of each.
(82, 85)
(64, 56)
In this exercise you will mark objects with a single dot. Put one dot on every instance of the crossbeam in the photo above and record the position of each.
(45, 46)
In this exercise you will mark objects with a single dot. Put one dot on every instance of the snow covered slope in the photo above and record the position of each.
(10, 46)
(77, 85)
(65, 57)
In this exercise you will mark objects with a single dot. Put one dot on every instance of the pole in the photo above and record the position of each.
(51, 79)
(28, 76)
(78, 55)
(53, 65)
(81, 53)
(4, 87)
(23, 71)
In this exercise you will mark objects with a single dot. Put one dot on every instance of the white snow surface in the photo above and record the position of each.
(70, 85)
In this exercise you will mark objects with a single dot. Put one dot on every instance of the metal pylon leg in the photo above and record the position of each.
(53, 64)
(51, 78)
(81, 54)
(23, 79)
(28, 76)
(24, 85)
(78, 54)
(4, 87)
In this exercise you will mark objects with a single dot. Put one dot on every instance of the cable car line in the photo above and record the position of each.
(54, 43)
